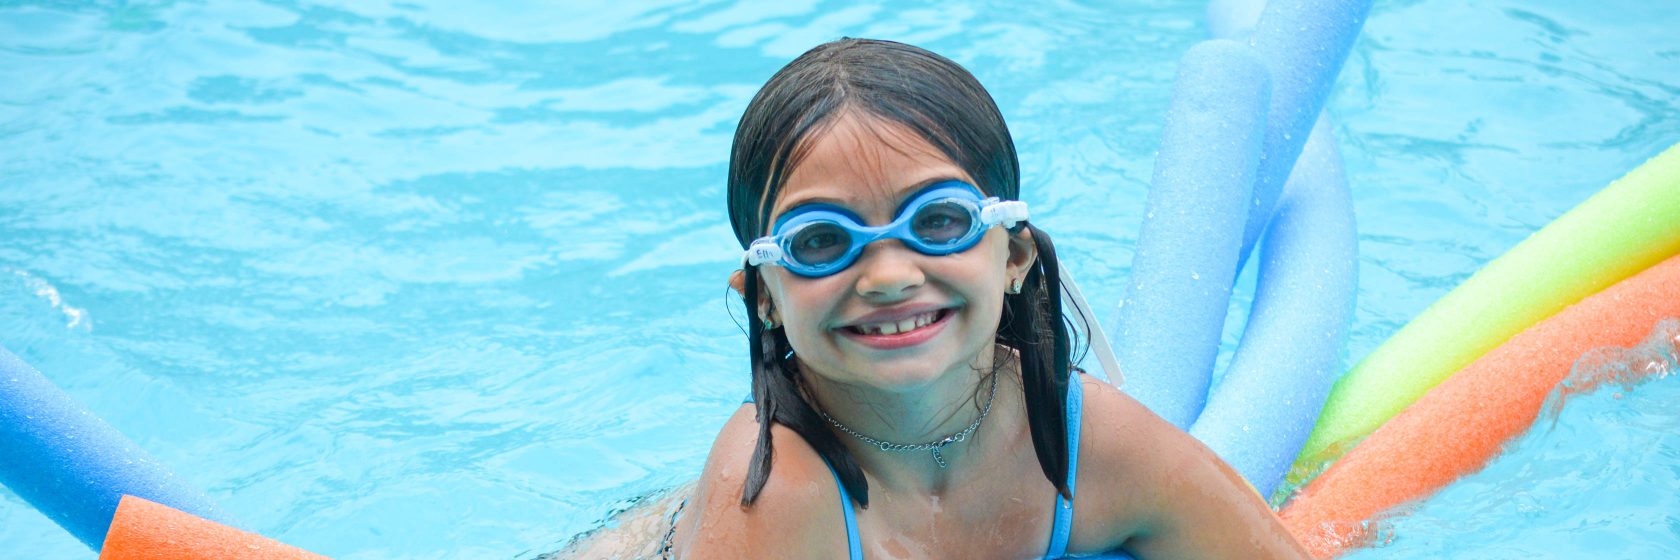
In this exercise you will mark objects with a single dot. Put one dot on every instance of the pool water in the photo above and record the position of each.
(439, 279)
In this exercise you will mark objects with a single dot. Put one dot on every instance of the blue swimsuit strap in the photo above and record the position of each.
(1063, 514)
(1063, 526)
(852, 542)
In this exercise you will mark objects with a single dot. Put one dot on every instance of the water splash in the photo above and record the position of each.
(76, 317)
(1658, 356)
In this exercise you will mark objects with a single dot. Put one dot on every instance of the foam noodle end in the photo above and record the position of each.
(145, 530)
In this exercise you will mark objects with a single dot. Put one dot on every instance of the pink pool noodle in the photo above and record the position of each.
(1461, 424)
(145, 530)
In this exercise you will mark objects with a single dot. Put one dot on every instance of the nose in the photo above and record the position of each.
(888, 271)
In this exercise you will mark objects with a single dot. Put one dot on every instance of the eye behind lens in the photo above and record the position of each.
(942, 222)
(819, 243)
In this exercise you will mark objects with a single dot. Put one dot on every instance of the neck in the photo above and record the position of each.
(928, 414)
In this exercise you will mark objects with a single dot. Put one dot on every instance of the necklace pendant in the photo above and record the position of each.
(938, 459)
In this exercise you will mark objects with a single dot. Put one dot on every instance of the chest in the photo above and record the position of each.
(1011, 521)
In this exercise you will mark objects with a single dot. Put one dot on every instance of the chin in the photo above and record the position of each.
(916, 366)
(910, 375)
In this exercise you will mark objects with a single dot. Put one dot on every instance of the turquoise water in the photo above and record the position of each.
(440, 280)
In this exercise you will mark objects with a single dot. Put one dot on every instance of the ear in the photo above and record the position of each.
(738, 281)
(1023, 252)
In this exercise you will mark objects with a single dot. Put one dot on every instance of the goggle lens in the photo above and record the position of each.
(820, 243)
(942, 223)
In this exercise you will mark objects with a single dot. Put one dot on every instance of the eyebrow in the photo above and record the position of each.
(919, 185)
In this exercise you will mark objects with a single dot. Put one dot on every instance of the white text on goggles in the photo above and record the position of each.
(822, 239)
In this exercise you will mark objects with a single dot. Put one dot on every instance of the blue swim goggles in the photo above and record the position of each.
(947, 217)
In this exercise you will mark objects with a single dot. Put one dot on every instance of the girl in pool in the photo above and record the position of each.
(912, 394)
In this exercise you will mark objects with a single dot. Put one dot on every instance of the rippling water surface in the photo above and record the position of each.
(445, 279)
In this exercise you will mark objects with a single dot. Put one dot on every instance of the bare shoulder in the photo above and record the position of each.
(1119, 443)
(796, 515)
(1123, 437)
(1147, 485)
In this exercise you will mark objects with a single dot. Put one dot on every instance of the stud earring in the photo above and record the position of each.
(769, 325)
(1015, 286)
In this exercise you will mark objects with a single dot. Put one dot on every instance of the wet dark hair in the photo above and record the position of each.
(945, 105)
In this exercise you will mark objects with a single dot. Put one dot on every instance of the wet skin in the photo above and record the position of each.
(1143, 484)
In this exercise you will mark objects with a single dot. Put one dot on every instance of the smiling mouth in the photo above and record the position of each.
(900, 327)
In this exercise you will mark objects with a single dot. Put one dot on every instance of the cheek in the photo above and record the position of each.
(988, 276)
(988, 263)
(804, 303)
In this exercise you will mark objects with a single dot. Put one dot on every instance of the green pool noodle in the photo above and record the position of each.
(1629, 226)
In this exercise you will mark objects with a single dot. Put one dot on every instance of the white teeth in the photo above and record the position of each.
(896, 327)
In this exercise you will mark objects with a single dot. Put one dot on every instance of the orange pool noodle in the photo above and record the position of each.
(1461, 424)
(144, 530)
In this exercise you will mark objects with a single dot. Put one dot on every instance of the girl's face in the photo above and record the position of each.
(946, 307)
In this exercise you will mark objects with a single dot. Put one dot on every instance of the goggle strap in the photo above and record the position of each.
(1008, 213)
(1099, 340)
(762, 251)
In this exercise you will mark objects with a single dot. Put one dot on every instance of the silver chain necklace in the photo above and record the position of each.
(935, 446)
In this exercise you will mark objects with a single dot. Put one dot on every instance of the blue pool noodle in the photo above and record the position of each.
(1303, 43)
(1227, 19)
(1269, 401)
(1169, 323)
(1260, 414)
(71, 465)
(1291, 351)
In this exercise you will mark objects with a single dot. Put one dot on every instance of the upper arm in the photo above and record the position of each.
(797, 513)
(1163, 494)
